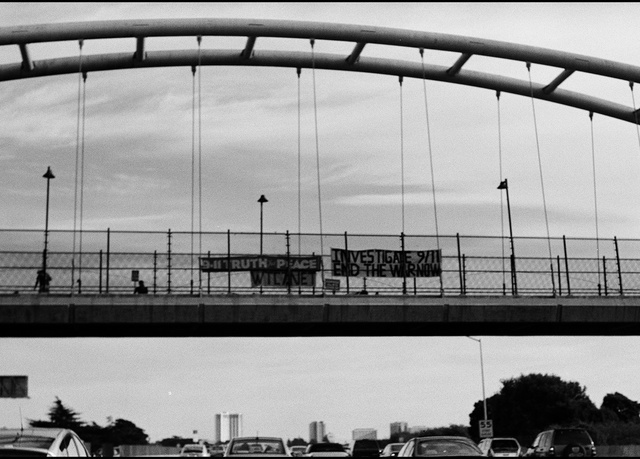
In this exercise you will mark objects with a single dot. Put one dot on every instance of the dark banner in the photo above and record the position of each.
(386, 263)
(276, 263)
(283, 279)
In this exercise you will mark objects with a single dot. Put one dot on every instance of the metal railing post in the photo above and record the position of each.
(566, 265)
(404, 266)
(100, 275)
(604, 273)
(559, 278)
(169, 261)
(460, 264)
(108, 257)
(229, 262)
(155, 271)
(615, 241)
(346, 250)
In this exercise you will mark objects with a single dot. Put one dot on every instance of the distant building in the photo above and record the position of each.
(398, 427)
(316, 432)
(228, 425)
(364, 434)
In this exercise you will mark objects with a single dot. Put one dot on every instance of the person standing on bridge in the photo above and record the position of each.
(42, 279)
(141, 289)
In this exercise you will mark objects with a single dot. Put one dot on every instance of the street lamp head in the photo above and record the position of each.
(49, 174)
(503, 185)
(262, 199)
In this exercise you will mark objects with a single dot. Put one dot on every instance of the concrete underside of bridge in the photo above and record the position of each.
(288, 316)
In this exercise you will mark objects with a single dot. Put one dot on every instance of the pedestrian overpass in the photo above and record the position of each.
(195, 312)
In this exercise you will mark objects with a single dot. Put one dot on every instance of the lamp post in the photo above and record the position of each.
(484, 398)
(262, 200)
(504, 185)
(48, 175)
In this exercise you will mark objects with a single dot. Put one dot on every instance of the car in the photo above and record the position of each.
(194, 450)
(440, 446)
(364, 448)
(391, 450)
(325, 450)
(562, 442)
(500, 447)
(256, 447)
(298, 450)
(41, 442)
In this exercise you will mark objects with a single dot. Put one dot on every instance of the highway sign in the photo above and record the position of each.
(14, 387)
(486, 428)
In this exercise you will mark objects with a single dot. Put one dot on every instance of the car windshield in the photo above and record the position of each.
(326, 447)
(445, 448)
(397, 447)
(504, 446)
(257, 447)
(192, 449)
(25, 441)
(564, 437)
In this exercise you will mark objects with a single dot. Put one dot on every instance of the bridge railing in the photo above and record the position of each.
(111, 262)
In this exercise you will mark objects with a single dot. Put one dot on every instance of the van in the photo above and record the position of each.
(563, 442)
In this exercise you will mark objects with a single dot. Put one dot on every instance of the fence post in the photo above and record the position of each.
(108, 257)
(604, 271)
(169, 261)
(100, 275)
(404, 266)
(346, 250)
(566, 265)
(460, 264)
(615, 241)
(464, 274)
(559, 278)
(229, 261)
(209, 275)
(155, 271)
(288, 275)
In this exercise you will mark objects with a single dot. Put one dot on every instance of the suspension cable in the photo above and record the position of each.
(401, 152)
(82, 149)
(504, 279)
(595, 197)
(299, 71)
(75, 192)
(199, 161)
(635, 113)
(433, 182)
(315, 111)
(193, 162)
(544, 201)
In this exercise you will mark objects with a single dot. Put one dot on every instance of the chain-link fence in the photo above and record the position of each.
(113, 262)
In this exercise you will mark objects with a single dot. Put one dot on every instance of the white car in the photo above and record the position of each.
(41, 442)
(194, 450)
(257, 447)
(500, 447)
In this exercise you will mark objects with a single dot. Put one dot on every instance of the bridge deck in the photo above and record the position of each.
(283, 315)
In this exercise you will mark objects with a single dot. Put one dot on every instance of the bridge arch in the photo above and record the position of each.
(462, 48)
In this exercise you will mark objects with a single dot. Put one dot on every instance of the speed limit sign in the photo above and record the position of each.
(486, 428)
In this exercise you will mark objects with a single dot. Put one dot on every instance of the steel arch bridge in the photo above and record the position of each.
(462, 49)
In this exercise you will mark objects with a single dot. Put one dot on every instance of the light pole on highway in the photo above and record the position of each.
(504, 185)
(484, 398)
(48, 175)
(262, 200)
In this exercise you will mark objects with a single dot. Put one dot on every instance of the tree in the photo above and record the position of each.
(529, 404)
(123, 432)
(60, 416)
(619, 408)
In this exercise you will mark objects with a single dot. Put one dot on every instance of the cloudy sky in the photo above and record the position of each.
(138, 147)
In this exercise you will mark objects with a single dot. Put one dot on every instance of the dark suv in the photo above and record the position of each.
(563, 442)
(365, 448)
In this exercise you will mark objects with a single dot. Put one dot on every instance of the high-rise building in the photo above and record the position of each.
(364, 434)
(398, 427)
(228, 426)
(316, 432)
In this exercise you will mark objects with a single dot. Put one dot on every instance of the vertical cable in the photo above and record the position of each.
(544, 201)
(82, 149)
(315, 111)
(401, 152)
(299, 71)
(199, 161)
(75, 192)
(504, 281)
(433, 183)
(595, 197)
(193, 163)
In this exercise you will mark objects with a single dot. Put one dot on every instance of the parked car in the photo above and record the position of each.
(439, 446)
(562, 442)
(257, 447)
(194, 450)
(365, 448)
(500, 447)
(298, 450)
(325, 450)
(41, 442)
(391, 450)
